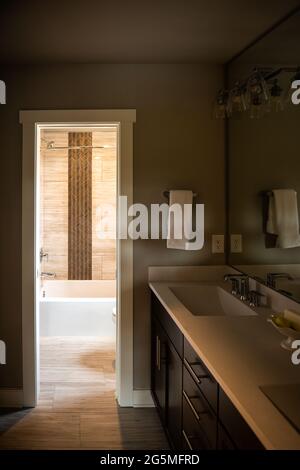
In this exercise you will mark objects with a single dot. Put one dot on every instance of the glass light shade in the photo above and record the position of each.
(257, 108)
(236, 100)
(276, 101)
(220, 106)
(257, 87)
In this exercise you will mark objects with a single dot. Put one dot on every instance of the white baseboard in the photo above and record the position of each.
(142, 399)
(11, 397)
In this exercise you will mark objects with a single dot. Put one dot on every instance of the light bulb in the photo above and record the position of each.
(236, 100)
(276, 102)
(220, 107)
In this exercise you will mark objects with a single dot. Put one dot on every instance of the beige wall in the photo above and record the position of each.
(176, 145)
(104, 187)
(54, 202)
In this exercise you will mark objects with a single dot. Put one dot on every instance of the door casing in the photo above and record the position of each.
(31, 122)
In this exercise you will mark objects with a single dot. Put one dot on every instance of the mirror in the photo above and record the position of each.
(264, 159)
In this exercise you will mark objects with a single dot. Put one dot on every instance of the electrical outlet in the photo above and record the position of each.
(217, 243)
(236, 243)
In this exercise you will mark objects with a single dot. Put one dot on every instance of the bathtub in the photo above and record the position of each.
(78, 308)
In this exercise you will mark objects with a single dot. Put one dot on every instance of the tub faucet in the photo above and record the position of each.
(43, 255)
(272, 277)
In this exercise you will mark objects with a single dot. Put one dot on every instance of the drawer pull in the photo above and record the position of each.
(196, 377)
(187, 440)
(158, 353)
(195, 412)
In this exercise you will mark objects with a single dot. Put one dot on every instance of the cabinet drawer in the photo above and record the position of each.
(239, 431)
(198, 434)
(201, 375)
(199, 420)
(168, 324)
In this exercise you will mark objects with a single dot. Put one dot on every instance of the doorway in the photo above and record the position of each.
(36, 286)
(77, 253)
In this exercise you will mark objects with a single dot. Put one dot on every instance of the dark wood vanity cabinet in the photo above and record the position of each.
(166, 373)
(199, 420)
(174, 396)
(194, 410)
(240, 433)
(159, 367)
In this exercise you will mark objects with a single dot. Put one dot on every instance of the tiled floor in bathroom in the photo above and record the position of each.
(77, 408)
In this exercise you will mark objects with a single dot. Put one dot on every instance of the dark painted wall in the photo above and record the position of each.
(176, 145)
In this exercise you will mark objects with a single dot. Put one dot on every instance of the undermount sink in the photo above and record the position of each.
(210, 300)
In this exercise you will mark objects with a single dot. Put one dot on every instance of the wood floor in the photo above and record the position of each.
(77, 408)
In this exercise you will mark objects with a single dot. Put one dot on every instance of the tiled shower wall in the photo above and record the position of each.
(54, 202)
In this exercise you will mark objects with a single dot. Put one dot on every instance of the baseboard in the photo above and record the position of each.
(142, 399)
(11, 397)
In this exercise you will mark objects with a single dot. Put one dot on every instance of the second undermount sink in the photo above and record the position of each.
(210, 300)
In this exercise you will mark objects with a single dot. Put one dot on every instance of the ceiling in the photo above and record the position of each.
(132, 31)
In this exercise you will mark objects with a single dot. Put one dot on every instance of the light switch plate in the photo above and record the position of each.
(217, 243)
(236, 243)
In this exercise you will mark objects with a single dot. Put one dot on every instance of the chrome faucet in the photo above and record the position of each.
(244, 290)
(239, 285)
(272, 277)
(255, 298)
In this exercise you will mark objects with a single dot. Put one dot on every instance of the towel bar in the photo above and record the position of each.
(167, 194)
(266, 193)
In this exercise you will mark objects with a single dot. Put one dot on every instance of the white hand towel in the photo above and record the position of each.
(283, 218)
(177, 236)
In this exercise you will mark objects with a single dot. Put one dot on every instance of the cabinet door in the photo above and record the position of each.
(237, 428)
(224, 441)
(159, 367)
(174, 397)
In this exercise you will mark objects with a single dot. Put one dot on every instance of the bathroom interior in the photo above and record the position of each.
(76, 286)
(216, 331)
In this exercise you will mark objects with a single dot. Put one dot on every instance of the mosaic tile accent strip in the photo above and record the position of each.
(80, 206)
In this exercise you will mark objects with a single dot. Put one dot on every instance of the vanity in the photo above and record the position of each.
(211, 355)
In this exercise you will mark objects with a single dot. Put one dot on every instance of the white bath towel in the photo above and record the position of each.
(180, 213)
(283, 218)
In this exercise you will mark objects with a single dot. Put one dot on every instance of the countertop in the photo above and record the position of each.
(243, 354)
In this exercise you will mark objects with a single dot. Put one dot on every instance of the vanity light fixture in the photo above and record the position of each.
(260, 93)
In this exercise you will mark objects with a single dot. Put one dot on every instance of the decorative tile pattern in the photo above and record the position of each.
(80, 206)
(54, 204)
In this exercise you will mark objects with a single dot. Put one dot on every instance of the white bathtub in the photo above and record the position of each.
(78, 308)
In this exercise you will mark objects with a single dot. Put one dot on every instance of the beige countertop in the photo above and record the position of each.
(243, 354)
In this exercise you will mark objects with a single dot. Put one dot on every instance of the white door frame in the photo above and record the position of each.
(31, 120)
